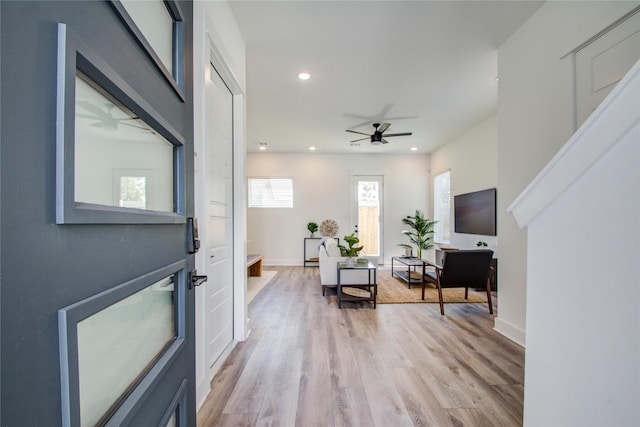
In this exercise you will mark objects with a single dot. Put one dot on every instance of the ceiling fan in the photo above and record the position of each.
(377, 137)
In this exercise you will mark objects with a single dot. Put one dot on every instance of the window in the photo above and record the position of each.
(270, 193)
(442, 207)
(108, 363)
(114, 345)
(157, 24)
(109, 139)
(118, 160)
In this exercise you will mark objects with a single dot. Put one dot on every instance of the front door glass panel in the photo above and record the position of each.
(119, 159)
(368, 214)
(117, 345)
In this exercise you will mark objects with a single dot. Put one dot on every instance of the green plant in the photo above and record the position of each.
(481, 244)
(353, 249)
(312, 227)
(421, 233)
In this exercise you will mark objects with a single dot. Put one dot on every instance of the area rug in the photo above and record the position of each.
(256, 283)
(392, 290)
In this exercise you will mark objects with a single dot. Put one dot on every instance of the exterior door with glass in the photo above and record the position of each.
(97, 303)
(368, 215)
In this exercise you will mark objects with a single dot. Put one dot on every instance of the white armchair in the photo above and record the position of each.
(329, 256)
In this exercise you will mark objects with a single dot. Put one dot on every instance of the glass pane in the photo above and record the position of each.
(119, 159)
(442, 207)
(156, 24)
(118, 344)
(270, 192)
(368, 217)
(133, 191)
(172, 420)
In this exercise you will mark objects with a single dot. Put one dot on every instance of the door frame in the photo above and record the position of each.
(207, 52)
(355, 178)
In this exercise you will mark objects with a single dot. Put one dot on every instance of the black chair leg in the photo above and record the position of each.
(440, 297)
(489, 296)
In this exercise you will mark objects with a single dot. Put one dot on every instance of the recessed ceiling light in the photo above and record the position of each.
(304, 76)
(263, 146)
(312, 148)
(414, 148)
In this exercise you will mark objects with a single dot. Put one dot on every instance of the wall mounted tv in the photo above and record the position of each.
(475, 213)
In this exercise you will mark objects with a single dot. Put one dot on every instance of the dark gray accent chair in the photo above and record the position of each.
(463, 269)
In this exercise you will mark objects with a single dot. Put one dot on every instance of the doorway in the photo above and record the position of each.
(215, 209)
(368, 214)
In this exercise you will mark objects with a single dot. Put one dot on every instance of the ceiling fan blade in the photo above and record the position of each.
(399, 134)
(355, 131)
(361, 139)
(383, 127)
(93, 109)
(87, 116)
(134, 125)
(384, 141)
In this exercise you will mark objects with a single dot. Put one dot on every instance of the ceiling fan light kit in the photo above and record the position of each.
(376, 137)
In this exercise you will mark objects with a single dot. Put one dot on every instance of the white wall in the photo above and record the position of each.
(472, 159)
(583, 326)
(535, 116)
(322, 190)
(583, 323)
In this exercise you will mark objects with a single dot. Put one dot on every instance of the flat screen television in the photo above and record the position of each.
(475, 213)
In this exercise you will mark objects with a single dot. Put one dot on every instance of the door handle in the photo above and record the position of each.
(196, 280)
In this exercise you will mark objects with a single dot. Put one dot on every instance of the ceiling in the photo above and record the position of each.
(427, 67)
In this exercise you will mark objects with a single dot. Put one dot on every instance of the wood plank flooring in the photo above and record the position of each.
(308, 363)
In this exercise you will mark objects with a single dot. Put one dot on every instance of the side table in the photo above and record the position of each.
(409, 265)
(358, 292)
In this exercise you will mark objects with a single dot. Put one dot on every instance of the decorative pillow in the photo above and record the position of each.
(332, 247)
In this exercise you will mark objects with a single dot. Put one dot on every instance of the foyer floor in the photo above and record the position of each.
(308, 363)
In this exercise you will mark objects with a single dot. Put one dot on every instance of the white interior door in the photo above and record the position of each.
(217, 241)
(368, 215)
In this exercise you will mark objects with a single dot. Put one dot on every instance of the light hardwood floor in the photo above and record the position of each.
(308, 363)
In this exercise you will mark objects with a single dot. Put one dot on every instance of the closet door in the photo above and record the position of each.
(218, 193)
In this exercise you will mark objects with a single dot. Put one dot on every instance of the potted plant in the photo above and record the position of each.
(420, 234)
(352, 250)
(312, 227)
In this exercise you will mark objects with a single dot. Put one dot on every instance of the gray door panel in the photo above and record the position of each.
(47, 267)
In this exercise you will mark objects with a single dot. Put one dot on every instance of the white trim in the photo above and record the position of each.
(615, 116)
(208, 48)
(510, 331)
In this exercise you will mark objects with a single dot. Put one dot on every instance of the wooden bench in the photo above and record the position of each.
(254, 265)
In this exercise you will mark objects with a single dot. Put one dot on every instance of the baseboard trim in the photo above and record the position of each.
(510, 331)
(204, 386)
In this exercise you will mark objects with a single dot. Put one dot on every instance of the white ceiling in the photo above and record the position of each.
(427, 67)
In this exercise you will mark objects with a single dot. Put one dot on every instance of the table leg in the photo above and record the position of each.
(375, 287)
(423, 281)
(338, 286)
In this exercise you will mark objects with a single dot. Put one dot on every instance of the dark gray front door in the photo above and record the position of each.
(97, 188)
